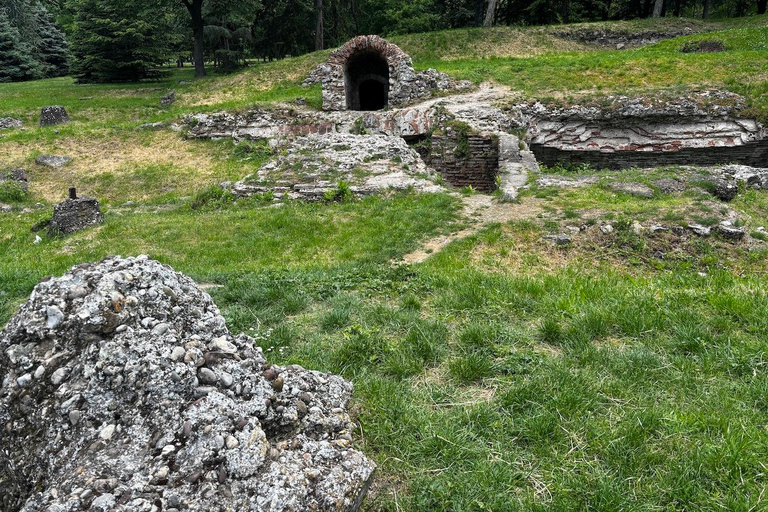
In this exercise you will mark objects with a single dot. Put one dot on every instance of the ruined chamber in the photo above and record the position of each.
(369, 73)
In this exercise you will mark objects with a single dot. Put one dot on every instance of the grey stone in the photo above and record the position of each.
(725, 190)
(269, 456)
(699, 229)
(152, 126)
(606, 229)
(74, 215)
(57, 162)
(634, 189)
(54, 115)
(7, 123)
(560, 240)
(729, 232)
(207, 376)
(168, 99)
(669, 185)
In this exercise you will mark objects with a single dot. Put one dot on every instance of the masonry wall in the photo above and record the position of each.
(478, 167)
(754, 154)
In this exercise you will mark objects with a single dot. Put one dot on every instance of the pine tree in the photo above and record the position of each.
(17, 62)
(51, 47)
(114, 41)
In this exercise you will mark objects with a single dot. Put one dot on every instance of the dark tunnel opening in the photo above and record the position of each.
(367, 82)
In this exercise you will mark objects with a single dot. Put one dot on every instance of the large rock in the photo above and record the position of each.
(57, 162)
(74, 215)
(123, 390)
(50, 116)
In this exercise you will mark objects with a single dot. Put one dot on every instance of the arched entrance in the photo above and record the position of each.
(366, 79)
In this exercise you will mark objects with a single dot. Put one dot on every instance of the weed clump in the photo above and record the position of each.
(342, 193)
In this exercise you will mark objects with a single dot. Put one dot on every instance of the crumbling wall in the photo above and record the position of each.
(702, 128)
(465, 159)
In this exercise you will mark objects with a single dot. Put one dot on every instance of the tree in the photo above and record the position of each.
(657, 8)
(195, 8)
(17, 62)
(115, 41)
(319, 25)
(761, 5)
(490, 13)
(51, 48)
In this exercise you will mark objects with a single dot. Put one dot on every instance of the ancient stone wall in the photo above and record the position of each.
(466, 159)
(754, 154)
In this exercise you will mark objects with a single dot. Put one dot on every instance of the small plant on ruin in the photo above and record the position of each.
(342, 193)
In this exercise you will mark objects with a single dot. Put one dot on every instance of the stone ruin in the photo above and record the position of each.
(54, 115)
(74, 214)
(702, 128)
(122, 389)
(369, 73)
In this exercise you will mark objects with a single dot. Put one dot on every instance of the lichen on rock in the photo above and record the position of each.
(122, 389)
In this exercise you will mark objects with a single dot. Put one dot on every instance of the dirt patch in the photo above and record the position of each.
(107, 166)
(479, 210)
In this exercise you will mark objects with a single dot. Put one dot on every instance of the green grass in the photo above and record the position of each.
(501, 374)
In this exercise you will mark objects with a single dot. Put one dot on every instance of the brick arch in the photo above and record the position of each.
(338, 93)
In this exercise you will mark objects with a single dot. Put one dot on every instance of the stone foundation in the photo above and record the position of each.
(754, 154)
(474, 161)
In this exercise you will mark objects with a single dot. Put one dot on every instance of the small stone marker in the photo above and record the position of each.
(50, 116)
(74, 214)
(168, 99)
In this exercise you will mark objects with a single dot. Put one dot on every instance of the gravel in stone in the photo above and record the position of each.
(121, 381)
(54, 115)
(6, 123)
(727, 231)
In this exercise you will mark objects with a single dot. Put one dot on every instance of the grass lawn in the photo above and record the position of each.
(624, 372)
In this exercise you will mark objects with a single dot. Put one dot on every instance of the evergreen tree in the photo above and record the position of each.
(17, 62)
(115, 41)
(50, 47)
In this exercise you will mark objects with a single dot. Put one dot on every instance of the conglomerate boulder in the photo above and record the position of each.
(122, 389)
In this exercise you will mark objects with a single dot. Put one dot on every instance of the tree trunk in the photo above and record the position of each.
(336, 22)
(195, 8)
(490, 14)
(319, 25)
(479, 12)
(678, 8)
(705, 12)
(657, 8)
(566, 11)
(761, 5)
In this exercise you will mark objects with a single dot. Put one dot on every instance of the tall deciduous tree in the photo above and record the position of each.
(318, 25)
(195, 8)
(657, 8)
(490, 14)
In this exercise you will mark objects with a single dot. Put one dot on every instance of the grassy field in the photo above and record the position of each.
(625, 372)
